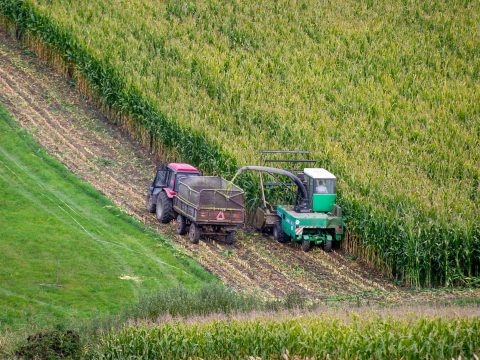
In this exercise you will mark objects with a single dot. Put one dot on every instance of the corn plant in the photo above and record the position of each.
(359, 337)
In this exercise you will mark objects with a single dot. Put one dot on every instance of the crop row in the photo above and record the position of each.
(320, 338)
(384, 96)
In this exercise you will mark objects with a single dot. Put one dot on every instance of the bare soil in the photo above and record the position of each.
(71, 128)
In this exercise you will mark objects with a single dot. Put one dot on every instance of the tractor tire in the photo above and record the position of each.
(181, 226)
(164, 208)
(278, 233)
(328, 245)
(230, 238)
(150, 205)
(306, 245)
(194, 233)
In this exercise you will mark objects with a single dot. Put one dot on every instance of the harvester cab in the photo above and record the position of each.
(321, 189)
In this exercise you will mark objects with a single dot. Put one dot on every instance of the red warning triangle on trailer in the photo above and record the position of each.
(221, 216)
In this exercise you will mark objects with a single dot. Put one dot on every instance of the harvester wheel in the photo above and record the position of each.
(194, 233)
(149, 203)
(278, 233)
(181, 225)
(328, 245)
(306, 245)
(230, 238)
(164, 208)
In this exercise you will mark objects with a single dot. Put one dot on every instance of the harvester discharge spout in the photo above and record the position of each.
(303, 203)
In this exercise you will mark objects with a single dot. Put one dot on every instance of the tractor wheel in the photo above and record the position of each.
(328, 245)
(164, 208)
(278, 233)
(306, 245)
(230, 238)
(150, 204)
(181, 225)
(194, 233)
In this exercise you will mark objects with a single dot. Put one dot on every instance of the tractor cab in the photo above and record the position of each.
(321, 188)
(164, 188)
(168, 177)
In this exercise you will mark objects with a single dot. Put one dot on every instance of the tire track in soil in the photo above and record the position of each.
(70, 128)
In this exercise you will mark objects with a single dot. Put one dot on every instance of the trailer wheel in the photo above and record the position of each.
(181, 225)
(328, 245)
(306, 245)
(230, 238)
(164, 208)
(278, 233)
(194, 233)
(149, 203)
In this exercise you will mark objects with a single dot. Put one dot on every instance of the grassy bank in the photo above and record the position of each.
(385, 95)
(66, 252)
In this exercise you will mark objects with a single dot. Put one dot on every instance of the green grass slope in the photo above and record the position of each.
(64, 247)
(385, 94)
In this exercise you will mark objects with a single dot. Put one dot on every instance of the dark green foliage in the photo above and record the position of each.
(209, 299)
(181, 302)
(49, 345)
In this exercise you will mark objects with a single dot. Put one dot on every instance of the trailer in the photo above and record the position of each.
(209, 206)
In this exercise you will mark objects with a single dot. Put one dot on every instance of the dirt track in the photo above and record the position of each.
(67, 125)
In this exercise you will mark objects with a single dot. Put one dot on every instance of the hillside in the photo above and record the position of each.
(66, 252)
(385, 94)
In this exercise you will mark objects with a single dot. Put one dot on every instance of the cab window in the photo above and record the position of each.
(309, 184)
(181, 176)
(324, 186)
(161, 178)
(171, 180)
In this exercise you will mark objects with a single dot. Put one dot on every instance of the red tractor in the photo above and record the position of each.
(164, 188)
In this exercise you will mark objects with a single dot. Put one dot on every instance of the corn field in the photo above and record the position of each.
(384, 94)
(353, 337)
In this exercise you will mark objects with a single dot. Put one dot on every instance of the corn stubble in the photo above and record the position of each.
(385, 94)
